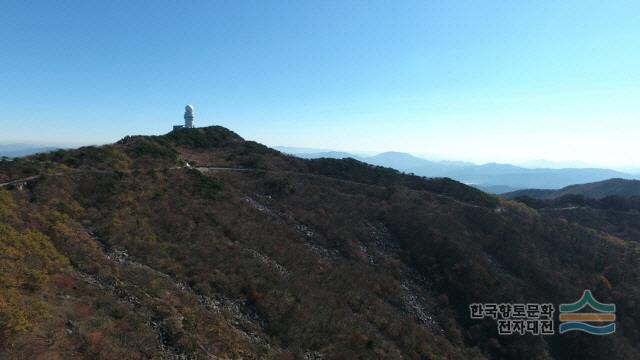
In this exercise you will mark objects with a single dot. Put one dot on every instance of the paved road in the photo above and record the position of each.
(199, 168)
(218, 168)
(19, 180)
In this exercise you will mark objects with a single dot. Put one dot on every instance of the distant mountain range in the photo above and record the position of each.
(546, 164)
(17, 150)
(596, 190)
(492, 177)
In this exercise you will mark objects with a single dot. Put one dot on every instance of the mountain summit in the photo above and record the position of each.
(200, 244)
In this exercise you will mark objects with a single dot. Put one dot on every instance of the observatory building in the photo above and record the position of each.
(188, 119)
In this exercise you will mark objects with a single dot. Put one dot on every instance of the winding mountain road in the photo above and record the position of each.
(202, 169)
(19, 181)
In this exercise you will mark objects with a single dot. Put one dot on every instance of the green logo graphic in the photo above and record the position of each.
(573, 320)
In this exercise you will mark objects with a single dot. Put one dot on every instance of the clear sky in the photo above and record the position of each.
(471, 80)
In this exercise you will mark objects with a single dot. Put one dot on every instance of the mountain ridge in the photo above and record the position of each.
(489, 176)
(596, 190)
(125, 251)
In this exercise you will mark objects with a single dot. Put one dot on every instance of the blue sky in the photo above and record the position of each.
(472, 80)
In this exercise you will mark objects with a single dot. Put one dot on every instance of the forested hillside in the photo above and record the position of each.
(201, 245)
(594, 190)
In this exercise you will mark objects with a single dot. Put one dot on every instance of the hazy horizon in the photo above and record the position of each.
(480, 81)
(530, 163)
(9, 147)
